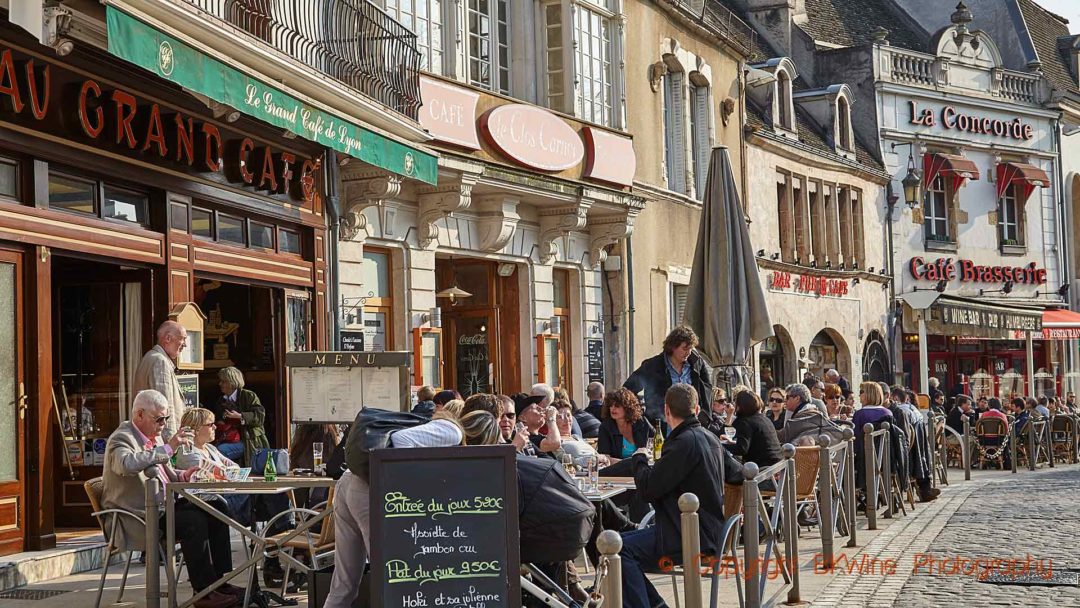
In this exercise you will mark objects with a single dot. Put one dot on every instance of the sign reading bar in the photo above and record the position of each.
(173, 60)
(953, 314)
(809, 284)
(445, 527)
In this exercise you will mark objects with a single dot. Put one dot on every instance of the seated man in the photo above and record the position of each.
(692, 461)
(133, 455)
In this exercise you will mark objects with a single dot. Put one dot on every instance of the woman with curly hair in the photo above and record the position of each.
(623, 428)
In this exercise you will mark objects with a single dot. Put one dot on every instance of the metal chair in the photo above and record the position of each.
(317, 548)
(108, 520)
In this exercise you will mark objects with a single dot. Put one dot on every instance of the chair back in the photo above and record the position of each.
(326, 532)
(807, 466)
(733, 502)
(1061, 424)
(991, 427)
(94, 488)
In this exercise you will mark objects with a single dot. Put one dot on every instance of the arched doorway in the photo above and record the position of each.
(774, 367)
(876, 359)
(828, 351)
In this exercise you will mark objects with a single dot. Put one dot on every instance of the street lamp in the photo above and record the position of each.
(912, 181)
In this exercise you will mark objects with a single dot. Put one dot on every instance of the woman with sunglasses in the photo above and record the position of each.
(720, 414)
(775, 413)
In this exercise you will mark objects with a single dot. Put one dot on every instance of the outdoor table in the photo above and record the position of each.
(191, 491)
(604, 493)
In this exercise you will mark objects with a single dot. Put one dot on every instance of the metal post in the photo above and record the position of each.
(170, 547)
(849, 483)
(943, 451)
(1014, 438)
(1048, 440)
(1030, 365)
(870, 464)
(1032, 446)
(791, 543)
(691, 549)
(886, 467)
(609, 543)
(924, 360)
(825, 499)
(931, 429)
(965, 448)
(153, 582)
(751, 519)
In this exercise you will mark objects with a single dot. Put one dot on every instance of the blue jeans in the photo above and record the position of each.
(234, 452)
(638, 555)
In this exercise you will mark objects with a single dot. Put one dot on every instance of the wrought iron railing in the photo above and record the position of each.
(714, 15)
(352, 41)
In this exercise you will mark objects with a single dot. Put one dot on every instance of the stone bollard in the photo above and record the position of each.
(691, 549)
(825, 499)
(751, 519)
(849, 482)
(791, 542)
(609, 543)
(965, 449)
(870, 475)
(153, 581)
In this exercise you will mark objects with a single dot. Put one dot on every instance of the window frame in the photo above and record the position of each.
(501, 78)
(845, 141)
(425, 44)
(604, 16)
(299, 240)
(243, 229)
(675, 313)
(1011, 198)
(375, 304)
(785, 118)
(18, 167)
(674, 101)
(700, 119)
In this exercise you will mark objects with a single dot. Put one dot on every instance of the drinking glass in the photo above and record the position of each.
(316, 456)
(594, 473)
(568, 463)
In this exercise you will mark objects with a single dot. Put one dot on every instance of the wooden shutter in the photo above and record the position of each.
(701, 143)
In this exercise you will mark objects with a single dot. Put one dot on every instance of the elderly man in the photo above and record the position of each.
(133, 455)
(678, 364)
(833, 377)
(157, 371)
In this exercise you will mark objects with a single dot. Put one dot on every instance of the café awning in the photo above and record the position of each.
(959, 316)
(954, 166)
(179, 62)
(1024, 176)
(1059, 324)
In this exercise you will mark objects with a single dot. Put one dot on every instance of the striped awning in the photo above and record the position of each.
(1024, 176)
(958, 167)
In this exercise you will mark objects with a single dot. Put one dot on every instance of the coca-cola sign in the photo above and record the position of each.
(532, 137)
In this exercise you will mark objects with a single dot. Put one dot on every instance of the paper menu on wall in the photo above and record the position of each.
(381, 387)
(305, 393)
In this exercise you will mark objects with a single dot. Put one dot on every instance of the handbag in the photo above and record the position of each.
(371, 431)
(281, 461)
(227, 432)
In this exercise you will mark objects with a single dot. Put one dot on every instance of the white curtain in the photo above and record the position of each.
(131, 346)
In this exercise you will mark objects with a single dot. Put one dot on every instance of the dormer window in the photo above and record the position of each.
(783, 101)
(843, 123)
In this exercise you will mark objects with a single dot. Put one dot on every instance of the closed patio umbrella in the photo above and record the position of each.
(725, 304)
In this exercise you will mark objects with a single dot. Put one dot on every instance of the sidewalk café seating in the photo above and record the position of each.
(318, 550)
(992, 441)
(1062, 436)
(909, 432)
(807, 468)
(1032, 455)
(108, 519)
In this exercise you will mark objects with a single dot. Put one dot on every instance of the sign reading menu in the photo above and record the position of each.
(333, 386)
(445, 527)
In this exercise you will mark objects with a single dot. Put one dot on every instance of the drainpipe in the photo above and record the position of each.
(890, 206)
(630, 367)
(333, 209)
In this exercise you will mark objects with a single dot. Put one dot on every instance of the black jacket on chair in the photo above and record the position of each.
(692, 461)
(756, 440)
(653, 378)
(609, 439)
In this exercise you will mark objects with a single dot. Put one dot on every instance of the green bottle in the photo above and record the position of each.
(270, 473)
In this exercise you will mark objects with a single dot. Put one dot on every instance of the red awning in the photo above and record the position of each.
(1026, 177)
(958, 167)
(1059, 324)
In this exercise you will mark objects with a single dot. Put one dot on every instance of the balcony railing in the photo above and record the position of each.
(714, 15)
(910, 67)
(352, 41)
(1020, 87)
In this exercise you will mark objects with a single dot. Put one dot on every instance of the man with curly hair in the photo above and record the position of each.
(678, 364)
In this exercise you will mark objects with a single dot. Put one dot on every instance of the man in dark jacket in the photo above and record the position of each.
(596, 393)
(424, 404)
(692, 461)
(963, 409)
(678, 364)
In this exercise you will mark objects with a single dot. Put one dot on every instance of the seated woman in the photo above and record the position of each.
(623, 428)
(211, 462)
(775, 413)
(571, 444)
(755, 438)
(834, 398)
(302, 456)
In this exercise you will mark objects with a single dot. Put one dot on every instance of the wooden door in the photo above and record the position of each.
(13, 406)
(471, 358)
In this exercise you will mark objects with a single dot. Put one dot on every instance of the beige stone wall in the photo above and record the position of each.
(665, 234)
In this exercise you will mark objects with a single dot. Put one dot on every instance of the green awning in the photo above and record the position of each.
(173, 60)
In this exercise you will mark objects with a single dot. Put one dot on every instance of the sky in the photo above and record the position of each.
(1070, 9)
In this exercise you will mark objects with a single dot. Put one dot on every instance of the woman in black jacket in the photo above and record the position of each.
(755, 438)
(623, 428)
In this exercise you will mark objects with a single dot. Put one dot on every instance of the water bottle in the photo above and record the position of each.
(270, 472)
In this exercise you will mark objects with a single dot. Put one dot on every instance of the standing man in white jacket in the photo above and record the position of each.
(157, 371)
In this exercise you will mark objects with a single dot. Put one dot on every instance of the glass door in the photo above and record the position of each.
(13, 405)
(471, 357)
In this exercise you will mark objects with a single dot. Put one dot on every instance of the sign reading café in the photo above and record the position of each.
(968, 271)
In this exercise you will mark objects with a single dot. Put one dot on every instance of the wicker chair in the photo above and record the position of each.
(992, 440)
(1062, 429)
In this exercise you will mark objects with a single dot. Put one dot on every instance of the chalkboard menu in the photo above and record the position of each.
(595, 358)
(445, 528)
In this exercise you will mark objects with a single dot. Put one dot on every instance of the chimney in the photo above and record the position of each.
(774, 20)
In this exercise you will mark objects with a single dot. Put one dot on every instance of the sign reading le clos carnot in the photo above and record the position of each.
(445, 527)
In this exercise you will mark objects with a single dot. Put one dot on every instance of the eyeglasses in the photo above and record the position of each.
(724, 400)
(161, 419)
(775, 400)
(208, 424)
(510, 415)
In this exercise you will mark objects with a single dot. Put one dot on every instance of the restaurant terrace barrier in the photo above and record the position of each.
(965, 449)
(836, 489)
(782, 474)
(941, 459)
(878, 466)
(1063, 437)
(609, 570)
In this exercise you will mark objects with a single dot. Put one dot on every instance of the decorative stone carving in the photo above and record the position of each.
(352, 224)
(361, 193)
(441, 201)
(608, 230)
(497, 220)
(558, 223)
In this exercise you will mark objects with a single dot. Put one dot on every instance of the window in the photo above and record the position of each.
(1010, 226)
(816, 195)
(425, 19)
(230, 229)
(261, 235)
(936, 211)
(858, 236)
(288, 241)
(847, 227)
(178, 216)
(785, 213)
(678, 303)
(560, 279)
(72, 194)
(803, 235)
(124, 205)
(783, 100)
(831, 237)
(555, 56)
(9, 178)
(699, 133)
(843, 123)
(378, 303)
(202, 223)
(675, 131)
(488, 44)
(592, 63)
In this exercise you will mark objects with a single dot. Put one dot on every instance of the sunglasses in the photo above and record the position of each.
(776, 400)
(721, 400)
(161, 419)
(510, 415)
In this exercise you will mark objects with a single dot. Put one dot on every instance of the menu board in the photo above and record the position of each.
(595, 358)
(445, 527)
(334, 386)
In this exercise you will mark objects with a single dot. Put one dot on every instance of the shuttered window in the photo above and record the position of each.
(678, 303)
(675, 131)
(699, 130)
